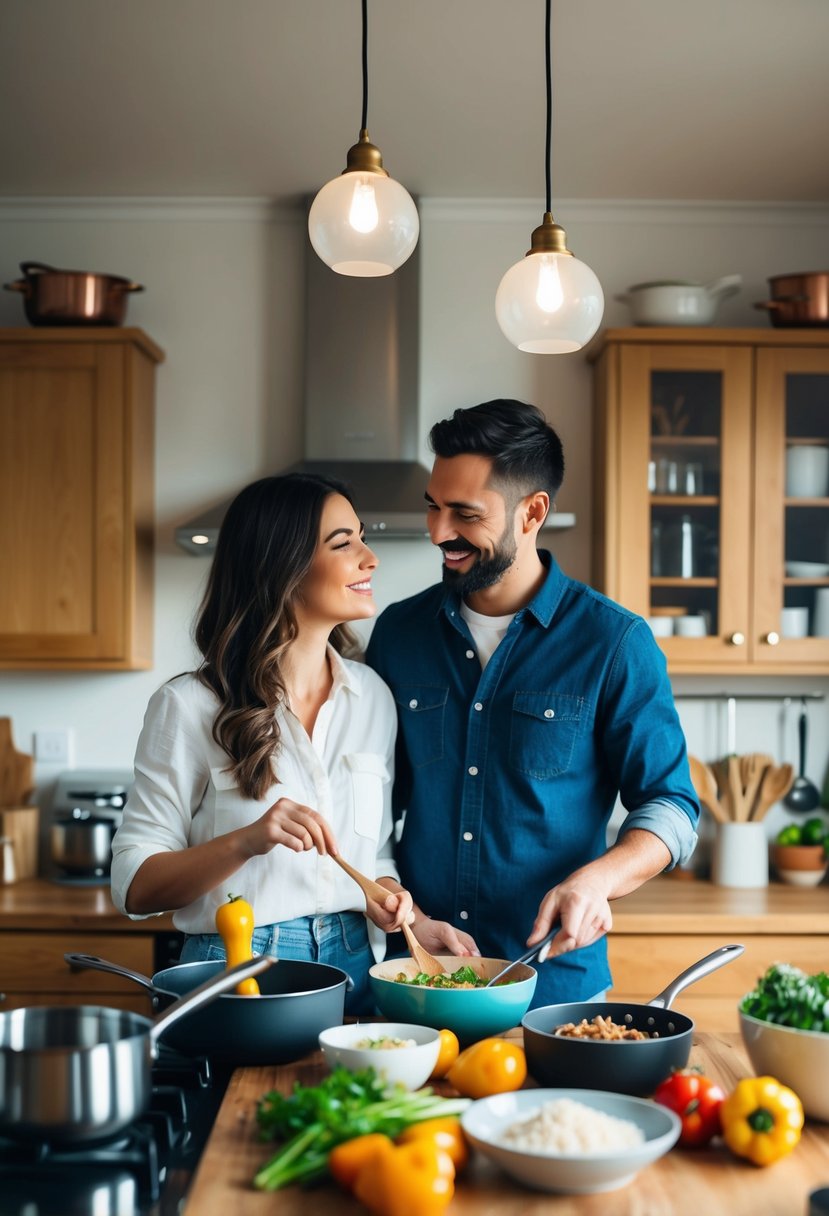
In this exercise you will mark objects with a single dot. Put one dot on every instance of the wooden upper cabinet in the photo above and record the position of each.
(76, 498)
(704, 521)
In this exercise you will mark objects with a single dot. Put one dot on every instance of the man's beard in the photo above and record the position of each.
(485, 571)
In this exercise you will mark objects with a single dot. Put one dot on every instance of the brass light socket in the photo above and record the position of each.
(549, 237)
(364, 157)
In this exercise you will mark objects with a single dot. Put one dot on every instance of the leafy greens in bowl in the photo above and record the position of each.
(788, 996)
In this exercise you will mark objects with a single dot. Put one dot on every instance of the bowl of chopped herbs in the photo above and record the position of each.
(459, 999)
(784, 1022)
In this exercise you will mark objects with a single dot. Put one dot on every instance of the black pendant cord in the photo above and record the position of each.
(365, 66)
(549, 105)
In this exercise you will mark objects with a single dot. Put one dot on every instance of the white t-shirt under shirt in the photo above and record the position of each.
(487, 631)
(184, 796)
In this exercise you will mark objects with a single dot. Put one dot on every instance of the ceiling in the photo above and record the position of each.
(652, 99)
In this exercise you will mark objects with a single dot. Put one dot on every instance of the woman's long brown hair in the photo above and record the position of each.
(247, 620)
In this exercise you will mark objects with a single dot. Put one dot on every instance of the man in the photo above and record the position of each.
(526, 703)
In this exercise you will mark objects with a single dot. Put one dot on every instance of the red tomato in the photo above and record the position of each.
(697, 1101)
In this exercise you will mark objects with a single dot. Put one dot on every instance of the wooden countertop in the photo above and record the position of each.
(36, 903)
(662, 906)
(683, 1182)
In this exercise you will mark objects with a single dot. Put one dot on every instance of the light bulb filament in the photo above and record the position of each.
(363, 215)
(549, 294)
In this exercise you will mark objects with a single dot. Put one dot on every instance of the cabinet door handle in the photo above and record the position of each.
(772, 638)
(737, 638)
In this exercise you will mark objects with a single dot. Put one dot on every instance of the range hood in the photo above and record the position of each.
(360, 402)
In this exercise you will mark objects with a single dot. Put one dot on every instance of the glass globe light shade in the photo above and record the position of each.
(549, 303)
(363, 224)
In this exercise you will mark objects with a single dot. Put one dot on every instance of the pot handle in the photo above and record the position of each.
(39, 268)
(132, 287)
(727, 286)
(207, 991)
(711, 962)
(91, 962)
(782, 301)
(21, 285)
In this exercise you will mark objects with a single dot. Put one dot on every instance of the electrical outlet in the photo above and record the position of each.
(54, 747)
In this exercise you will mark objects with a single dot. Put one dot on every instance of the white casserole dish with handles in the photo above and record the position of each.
(673, 302)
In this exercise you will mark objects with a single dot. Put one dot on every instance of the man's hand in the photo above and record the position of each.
(581, 907)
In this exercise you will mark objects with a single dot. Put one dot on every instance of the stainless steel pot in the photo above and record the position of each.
(798, 299)
(298, 999)
(69, 1074)
(82, 843)
(72, 297)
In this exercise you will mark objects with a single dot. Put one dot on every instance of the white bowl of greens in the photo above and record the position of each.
(784, 1022)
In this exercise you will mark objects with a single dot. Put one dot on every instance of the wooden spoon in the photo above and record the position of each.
(426, 962)
(752, 767)
(776, 783)
(705, 783)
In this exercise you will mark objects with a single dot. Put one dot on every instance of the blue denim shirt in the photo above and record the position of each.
(508, 776)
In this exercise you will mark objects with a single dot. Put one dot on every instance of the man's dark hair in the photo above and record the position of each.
(525, 451)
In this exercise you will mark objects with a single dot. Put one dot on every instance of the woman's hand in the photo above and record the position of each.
(396, 909)
(291, 824)
(439, 937)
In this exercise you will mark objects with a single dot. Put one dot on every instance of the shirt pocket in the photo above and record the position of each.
(545, 726)
(421, 709)
(231, 805)
(368, 774)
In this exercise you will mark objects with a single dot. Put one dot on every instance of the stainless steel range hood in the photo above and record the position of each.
(360, 401)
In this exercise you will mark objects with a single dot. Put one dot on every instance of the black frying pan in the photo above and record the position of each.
(298, 1000)
(627, 1066)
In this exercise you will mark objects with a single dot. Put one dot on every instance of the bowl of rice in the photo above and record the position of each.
(573, 1141)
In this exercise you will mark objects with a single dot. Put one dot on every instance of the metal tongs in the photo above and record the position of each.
(542, 949)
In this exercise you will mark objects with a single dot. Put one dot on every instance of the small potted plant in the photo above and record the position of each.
(800, 854)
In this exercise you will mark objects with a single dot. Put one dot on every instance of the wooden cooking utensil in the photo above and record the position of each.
(739, 810)
(426, 962)
(705, 783)
(16, 770)
(752, 767)
(776, 783)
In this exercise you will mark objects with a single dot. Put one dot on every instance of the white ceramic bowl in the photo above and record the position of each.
(798, 1058)
(411, 1066)
(486, 1120)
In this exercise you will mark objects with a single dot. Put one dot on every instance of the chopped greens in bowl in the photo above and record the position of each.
(464, 977)
(788, 996)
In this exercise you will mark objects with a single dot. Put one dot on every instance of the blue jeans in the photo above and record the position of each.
(339, 939)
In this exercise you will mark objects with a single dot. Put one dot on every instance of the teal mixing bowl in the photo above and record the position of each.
(472, 1013)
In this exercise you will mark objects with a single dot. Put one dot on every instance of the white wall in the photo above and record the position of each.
(224, 298)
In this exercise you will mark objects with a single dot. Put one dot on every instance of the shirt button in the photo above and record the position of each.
(468, 836)
(549, 713)
(478, 706)
(472, 770)
(413, 704)
(470, 654)
(464, 916)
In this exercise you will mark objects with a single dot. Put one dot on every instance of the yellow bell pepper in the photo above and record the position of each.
(235, 924)
(490, 1066)
(346, 1160)
(416, 1179)
(761, 1120)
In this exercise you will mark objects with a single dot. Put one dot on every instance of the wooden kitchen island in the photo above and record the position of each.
(683, 1183)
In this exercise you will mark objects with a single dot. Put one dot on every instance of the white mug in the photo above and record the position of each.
(807, 470)
(794, 622)
(661, 626)
(741, 855)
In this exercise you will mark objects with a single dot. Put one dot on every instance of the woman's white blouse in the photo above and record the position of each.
(184, 796)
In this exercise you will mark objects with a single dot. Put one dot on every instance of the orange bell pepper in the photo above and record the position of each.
(446, 1133)
(416, 1179)
(447, 1055)
(235, 924)
(347, 1160)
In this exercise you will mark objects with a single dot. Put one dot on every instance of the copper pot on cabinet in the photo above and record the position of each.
(72, 297)
(798, 299)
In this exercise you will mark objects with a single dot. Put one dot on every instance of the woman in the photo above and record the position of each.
(277, 751)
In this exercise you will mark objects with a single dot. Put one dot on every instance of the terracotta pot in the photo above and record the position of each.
(801, 865)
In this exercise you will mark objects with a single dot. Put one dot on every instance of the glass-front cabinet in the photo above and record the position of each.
(712, 493)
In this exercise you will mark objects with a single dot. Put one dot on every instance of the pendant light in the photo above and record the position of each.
(549, 303)
(363, 223)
